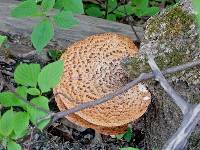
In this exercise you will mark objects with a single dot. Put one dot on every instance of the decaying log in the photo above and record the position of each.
(21, 28)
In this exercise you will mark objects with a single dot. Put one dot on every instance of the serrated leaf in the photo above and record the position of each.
(21, 122)
(75, 6)
(2, 39)
(94, 11)
(42, 33)
(6, 123)
(148, 11)
(33, 91)
(111, 17)
(65, 19)
(48, 4)
(26, 9)
(129, 148)
(36, 114)
(112, 4)
(11, 145)
(124, 10)
(27, 75)
(8, 99)
(22, 91)
(50, 75)
(140, 3)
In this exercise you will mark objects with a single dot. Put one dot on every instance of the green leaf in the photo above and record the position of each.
(33, 91)
(27, 75)
(75, 6)
(36, 114)
(94, 11)
(6, 123)
(129, 148)
(112, 4)
(65, 19)
(8, 99)
(196, 6)
(11, 145)
(124, 10)
(16, 137)
(26, 9)
(42, 33)
(140, 3)
(2, 39)
(128, 135)
(22, 91)
(21, 122)
(54, 54)
(50, 75)
(111, 17)
(47, 4)
(148, 11)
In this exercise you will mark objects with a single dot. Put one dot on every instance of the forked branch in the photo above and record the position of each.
(142, 77)
(191, 112)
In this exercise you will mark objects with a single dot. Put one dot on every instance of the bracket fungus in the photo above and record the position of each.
(92, 70)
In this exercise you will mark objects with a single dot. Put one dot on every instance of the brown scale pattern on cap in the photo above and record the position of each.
(81, 122)
(92, 70)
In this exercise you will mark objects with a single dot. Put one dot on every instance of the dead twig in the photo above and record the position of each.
(142, 77)
(131, 24)
(191, 112)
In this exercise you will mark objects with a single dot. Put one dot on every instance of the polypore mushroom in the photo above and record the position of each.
(92, 70)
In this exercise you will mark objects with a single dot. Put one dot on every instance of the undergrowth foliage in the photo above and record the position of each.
(62, 16)
(32, 83)
(113, 10)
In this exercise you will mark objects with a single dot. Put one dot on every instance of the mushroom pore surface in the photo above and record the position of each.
(92, 70)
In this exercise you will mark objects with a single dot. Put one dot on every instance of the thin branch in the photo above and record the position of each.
(106, 11)
(131, 24)
(142, 77)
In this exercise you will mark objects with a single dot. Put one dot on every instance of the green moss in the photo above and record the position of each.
(136, 66)
(173, 58)
(171, 23)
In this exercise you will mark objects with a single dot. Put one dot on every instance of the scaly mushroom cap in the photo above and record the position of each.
(83, 123)
(92, 70)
